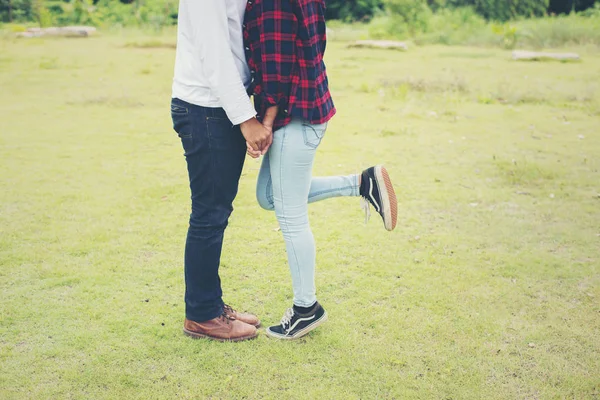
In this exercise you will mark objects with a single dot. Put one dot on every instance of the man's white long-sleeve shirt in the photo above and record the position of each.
(210, 66)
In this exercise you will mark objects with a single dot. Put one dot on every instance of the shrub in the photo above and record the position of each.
(463, 26)
(454, 26)
(559, 31)
(593, 12)
(503, 10)
(446, 26)
(409, 16)
(352, 10)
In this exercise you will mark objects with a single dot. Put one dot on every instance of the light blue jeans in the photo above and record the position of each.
(285, 184)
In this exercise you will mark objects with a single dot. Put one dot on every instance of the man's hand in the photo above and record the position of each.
(268, 121)
(251, 152)
(257, 136)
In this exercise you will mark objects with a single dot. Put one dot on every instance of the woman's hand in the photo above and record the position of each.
(268, 124)
(270, 117)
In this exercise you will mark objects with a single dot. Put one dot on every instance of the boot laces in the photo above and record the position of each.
(228, 309)
(226, 316)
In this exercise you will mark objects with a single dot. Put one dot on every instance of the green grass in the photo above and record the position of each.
(489, 288)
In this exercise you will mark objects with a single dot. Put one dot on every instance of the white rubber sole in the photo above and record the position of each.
(300, 333)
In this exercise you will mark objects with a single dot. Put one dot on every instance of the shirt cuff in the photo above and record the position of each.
(270, 100)
(242, 113)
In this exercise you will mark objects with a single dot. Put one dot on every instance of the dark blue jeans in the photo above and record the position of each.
(215, 151)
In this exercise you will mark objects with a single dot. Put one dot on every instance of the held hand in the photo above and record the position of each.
(251, 152)
(257, 136)
(268, 123)
(269, 142)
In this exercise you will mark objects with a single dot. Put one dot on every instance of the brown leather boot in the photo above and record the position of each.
(223, 328)
(250, 319)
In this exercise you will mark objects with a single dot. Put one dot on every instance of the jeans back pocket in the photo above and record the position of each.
(313, 134)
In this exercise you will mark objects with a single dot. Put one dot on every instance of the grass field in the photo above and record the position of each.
(488, 289)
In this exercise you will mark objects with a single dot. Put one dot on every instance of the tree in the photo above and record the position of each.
(352, 10)
(501, 10)
(566, 6)
(15, 10)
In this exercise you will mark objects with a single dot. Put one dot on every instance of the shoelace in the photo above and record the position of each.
(228, 312)
(227, 318)
(366, 206)
(228, 309)
(286, 320)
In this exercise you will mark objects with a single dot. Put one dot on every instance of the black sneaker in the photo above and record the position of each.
(376, 188)
(295, 325)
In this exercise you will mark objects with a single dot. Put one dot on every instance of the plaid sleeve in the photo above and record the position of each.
(278, 29)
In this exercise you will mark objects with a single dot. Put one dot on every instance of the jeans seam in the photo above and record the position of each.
(283, 218)
(269, 198)
(213, 161)
(329, 191)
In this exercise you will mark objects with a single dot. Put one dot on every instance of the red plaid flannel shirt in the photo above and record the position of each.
(285, 42)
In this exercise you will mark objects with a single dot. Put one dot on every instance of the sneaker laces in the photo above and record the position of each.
(366, 206)
(286, 320)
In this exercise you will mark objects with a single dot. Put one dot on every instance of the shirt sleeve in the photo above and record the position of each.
(278, 29)
(211, 30)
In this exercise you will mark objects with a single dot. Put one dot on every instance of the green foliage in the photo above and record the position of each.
(450, 24)
(455, 26)
(567, 6)
(16, 10)
(352, 10)
(462, 26)
(42, 15)
(436, 4)
(592, 12)
(82, 12)
(406, 17)
(45, 18)
(16, 28)
(446, 26)
(565, 30)
(411, 15)
(504, 10)
(501, 10)
(508, 33)
(155, 13)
